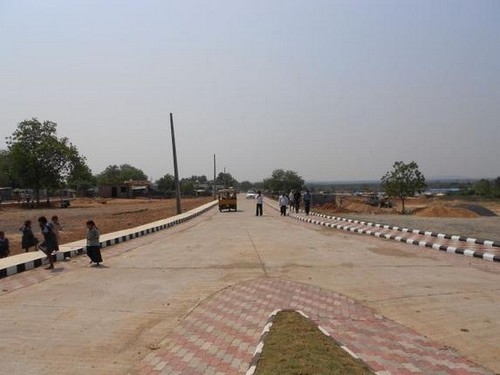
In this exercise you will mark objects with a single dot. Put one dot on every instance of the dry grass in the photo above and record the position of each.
(295, 346)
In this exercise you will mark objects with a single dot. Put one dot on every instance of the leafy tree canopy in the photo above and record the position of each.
(114, 174)
(483, 187)
(166, 183)
(81, 178)
(187, 187)
(246, 185)
(6, 170)
(226, 180)
(39, 158)
(403, 181)
(283, 181)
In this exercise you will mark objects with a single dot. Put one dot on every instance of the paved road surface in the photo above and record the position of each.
(194, 299)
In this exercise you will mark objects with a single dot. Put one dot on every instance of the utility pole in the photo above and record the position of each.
(215, 169)
(176, 172)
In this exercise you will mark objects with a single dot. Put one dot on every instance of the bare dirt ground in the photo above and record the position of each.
(433, 214)
(459, 216)
(110, 215)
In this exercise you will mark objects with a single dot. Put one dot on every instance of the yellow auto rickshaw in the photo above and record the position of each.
(227, 199)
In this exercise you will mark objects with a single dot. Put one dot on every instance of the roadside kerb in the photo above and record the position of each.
(428, 244)
(23, 262)
(487, 243)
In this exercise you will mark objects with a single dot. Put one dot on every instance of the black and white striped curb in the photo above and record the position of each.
(66, 254)
(267, 328)
(469, 240)
(350, 227)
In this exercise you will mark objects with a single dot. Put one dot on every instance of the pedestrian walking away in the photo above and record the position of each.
(260, 200)
(307, 202)
(291, 201)
(28, 240)
(93, 243)
(49, 244)
(4, 245)
(296, 200)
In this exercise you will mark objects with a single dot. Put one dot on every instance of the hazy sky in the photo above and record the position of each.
(334, 90)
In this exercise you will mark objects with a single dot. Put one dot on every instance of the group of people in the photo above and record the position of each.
(50, 244)
(292, 200)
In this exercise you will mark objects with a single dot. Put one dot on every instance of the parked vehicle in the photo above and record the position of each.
(251, 195)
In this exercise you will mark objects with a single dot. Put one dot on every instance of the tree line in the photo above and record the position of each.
(38, 159)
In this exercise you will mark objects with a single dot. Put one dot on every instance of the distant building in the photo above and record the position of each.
(114, 191)
(129, 189)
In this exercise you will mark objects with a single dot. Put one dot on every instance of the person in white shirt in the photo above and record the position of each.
(283, 201)
(260, 201)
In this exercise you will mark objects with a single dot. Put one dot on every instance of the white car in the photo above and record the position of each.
(251, 195)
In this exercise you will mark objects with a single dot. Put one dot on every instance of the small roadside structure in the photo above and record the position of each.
(114, 191)
(128, 189)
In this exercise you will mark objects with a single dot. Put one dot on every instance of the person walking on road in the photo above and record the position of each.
(93, 244)
(4, 245)
(49, 244)
(307, 202)
(291, 201)
(56, 227)
(28, 240)
(260, 200)
(296, 200)
(283, 202)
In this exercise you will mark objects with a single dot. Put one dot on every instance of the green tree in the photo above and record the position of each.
(6, 178)
(199, 179)
(187, 187)
(39, 158)
(483, 187)
(496, 188)
(114, 174)
(283, 181)
(246, 185)
(166, 184)
(403, 181)
(80, 178)
(226, 180)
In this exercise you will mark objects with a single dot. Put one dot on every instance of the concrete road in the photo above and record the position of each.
(85, 320)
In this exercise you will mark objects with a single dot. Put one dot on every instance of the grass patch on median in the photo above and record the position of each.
(295, 346)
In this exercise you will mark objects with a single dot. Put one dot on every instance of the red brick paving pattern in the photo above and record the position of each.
(220, 335)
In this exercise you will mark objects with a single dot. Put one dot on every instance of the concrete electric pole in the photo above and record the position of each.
(176, 172)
